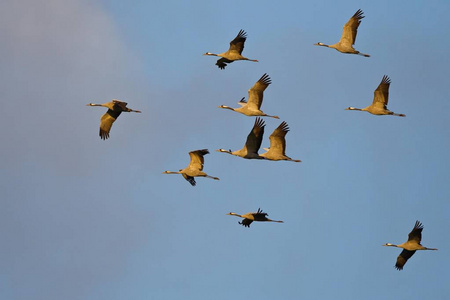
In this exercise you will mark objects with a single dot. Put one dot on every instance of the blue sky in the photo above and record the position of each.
(84, 218)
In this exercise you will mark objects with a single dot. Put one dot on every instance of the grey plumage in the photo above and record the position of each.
(348, 37)
(258, 216)
(115, 108)
(234, 52)
(411, 246)
(253, 143)
(195, 167)
(252, 107)
(277, 150)
(380, 100)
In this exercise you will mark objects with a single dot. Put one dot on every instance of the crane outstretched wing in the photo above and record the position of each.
(416, 233)
(256, 93)
(122, 105)
(189, 179)
(197, 159)
(237, 45)
(106, 122)
(403, 258)
(381, 94)
(278, 140)
(254, 139)
(246, 222)
(222, 63)
(350, 29)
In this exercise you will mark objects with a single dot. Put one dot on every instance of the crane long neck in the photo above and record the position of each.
(225, 151)
(235, 214)
(171, 172)
(226, 107)
(354, 108)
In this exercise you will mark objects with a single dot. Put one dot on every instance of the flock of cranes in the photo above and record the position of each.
(277, 148)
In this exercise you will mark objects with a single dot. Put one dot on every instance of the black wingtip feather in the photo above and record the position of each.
(191, 180)
(245, 225)
(386, 80)
(103, 135)
(242, 34)
(358, 14)
(259, 122)
(284, 126)
(203, 151)
(221, 65)
(265, 79)
(418, 225)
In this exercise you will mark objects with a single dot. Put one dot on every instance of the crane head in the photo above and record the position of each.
(223, 150)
